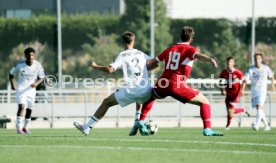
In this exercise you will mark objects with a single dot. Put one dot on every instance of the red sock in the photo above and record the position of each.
(146, 108)
(229, 118)
(238, 110)
(205, 113)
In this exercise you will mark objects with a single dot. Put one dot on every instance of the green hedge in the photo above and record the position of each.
(216, 37)
(77, 29)
(44, 29)
(207, 30)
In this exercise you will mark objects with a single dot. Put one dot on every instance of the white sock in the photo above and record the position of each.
(137, 115)
(18, 122)
(27, 122)
(258, 118)
(92, 122)
(264, 118)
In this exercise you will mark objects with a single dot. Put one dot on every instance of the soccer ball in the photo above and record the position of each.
(152, 127)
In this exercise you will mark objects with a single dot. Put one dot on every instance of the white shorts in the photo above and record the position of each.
(258, 100)
(126, 96)
(26, 97)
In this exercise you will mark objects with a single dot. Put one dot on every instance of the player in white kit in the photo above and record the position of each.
(137, 86)
(258, 74)
(29, 74)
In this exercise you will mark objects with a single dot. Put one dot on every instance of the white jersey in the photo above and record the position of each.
(133, 63)
(27, 75)
(258, 78)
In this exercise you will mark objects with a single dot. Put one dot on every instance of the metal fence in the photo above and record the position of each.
(81, 104)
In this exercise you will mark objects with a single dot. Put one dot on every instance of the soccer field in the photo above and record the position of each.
(114, 145)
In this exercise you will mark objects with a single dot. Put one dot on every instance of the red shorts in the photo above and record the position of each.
(180, 92)
(232, 101)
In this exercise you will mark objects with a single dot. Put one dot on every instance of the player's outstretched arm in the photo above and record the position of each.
(11, 77)
(152, 64)
(205, 58)
(108, 69)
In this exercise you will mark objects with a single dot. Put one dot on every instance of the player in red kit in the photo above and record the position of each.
(178, 61)
(233, 78)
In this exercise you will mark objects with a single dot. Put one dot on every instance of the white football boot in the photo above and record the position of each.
(83, 128)
(267, 128)
(254, 127)
(227, 128)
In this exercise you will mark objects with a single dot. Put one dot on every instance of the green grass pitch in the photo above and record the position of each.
(170, 145)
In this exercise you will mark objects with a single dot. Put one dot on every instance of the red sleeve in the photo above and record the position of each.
(240, 74)
(190, 52)
(161, 56)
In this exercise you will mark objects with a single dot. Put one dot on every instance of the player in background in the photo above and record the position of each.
(29, 74)
(178, 61)
(258, 75)
(137, 85)
(233, 78)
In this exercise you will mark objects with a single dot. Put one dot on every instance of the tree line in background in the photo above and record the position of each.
(97, 37)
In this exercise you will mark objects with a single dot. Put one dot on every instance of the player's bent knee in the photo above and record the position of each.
(203, 99)
(108, 102)
(206, 101)
(199, 100)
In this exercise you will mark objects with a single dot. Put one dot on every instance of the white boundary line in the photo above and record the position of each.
(171, 141)
(139, 149)
(189, 141)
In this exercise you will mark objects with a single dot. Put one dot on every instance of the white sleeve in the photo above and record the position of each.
(247, 76)
(41, 73)
(147, 57)
(14, 70)
(117, 64)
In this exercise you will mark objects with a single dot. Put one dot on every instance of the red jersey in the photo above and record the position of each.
(178, 60)
(233, 79)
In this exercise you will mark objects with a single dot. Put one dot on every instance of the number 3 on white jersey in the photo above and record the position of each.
(173, 61)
